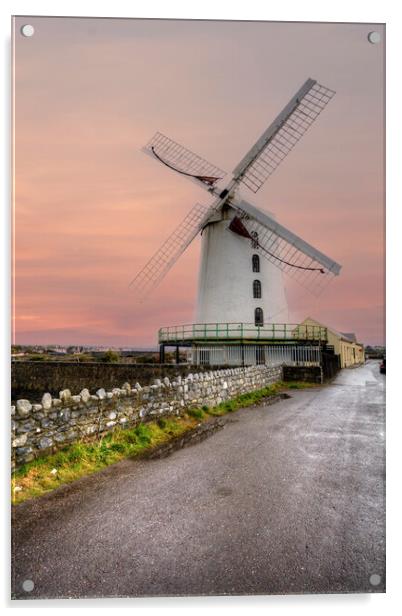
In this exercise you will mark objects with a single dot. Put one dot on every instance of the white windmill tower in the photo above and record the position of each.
(240, 294)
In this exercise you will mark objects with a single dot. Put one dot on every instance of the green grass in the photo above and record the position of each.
(300, 385)
(196, 413)
(86, 457)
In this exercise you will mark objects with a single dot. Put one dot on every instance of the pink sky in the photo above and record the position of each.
(91, 208)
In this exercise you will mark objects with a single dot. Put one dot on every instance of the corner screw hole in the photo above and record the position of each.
(375, 579)
(28, 585)
(27, 30)
(374, 37)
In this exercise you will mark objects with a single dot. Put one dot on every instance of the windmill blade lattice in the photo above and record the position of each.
(182, 160)
(299, 260)
(283, 134)
(167, 255)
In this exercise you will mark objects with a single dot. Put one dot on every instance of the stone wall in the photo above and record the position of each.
(29, 379)
(43, 428)
(310, 374)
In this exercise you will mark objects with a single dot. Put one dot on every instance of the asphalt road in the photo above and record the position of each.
(287, 498)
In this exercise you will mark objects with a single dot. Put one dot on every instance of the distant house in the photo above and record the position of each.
(351, 352)
(56, 351)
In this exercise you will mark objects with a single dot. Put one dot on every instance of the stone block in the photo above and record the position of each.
(24, 407)
(26, 426)
(90, 430)
(20, 440)
(45, 443)
(65, 395)
(46, 401)
(101, 393)
(65, 415)
(85, 395)
(23, 451)
(71, 435)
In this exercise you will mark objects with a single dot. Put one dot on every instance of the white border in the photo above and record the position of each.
(292, 10)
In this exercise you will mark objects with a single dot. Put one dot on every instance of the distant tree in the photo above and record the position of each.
(38, 357)
(84, 357)
(148, 359)
(110, 356)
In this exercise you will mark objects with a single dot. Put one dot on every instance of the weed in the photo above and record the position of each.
(144, 434)
(299, 385)
(129, 437)
(196, 413)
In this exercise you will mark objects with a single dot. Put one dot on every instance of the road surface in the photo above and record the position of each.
(287, 498)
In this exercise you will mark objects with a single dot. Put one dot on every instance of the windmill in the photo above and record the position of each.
(235, 285)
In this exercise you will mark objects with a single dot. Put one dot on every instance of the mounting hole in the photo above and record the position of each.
(375, 579)
(28, 585)
(27, 30)
(374, 37)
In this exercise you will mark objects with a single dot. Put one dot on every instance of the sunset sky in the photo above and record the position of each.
(91, 208)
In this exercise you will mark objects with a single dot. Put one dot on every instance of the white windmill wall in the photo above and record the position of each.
(225, 285)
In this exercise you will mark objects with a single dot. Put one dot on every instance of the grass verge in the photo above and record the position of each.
(83, 458)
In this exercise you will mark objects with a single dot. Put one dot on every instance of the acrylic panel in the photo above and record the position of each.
(198, 259)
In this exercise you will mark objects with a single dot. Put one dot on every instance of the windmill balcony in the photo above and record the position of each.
(231, 332)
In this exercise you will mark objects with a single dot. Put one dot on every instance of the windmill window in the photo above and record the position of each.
(254, 240)
(258, 317)
(256, 263)
(256, 289)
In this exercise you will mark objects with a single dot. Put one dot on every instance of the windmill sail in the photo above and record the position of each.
(282, 135)
(283, 248)
(171, 250)
(182, 160)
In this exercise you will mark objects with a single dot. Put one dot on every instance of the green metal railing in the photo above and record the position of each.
(241, 331)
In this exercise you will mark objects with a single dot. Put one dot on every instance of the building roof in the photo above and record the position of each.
(351, 336)
(348, 337)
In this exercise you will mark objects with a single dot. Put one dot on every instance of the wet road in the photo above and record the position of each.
(287, 498)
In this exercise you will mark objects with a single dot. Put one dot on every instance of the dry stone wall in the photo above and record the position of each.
(29, 379)
(43, 428)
